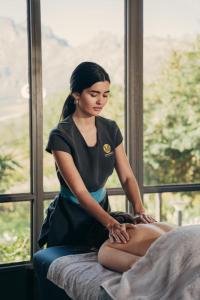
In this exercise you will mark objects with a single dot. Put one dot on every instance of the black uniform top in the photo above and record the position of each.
(94, 163)
(68, 223)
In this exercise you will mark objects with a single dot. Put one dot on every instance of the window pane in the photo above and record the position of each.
(14, 232)
(14, 99)
(117, 202)
(80, 31)
(174, 208)
(46, 204)
(171, 92)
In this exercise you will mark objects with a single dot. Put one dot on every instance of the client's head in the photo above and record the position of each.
(99, 234)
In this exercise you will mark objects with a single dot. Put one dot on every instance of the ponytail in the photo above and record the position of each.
(69, 107)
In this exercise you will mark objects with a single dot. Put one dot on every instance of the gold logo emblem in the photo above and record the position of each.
(106, 148)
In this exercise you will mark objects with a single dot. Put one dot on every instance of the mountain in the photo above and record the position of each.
(60, 58)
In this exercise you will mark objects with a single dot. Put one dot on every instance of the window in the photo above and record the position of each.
(14, 99)
(80, 31)
(15, 232)
(171, 92)
(171, 109)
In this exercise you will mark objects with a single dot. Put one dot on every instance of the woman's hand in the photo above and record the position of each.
(118, 233)
(142, 217)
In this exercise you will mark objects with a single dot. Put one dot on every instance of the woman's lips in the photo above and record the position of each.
(97, 108)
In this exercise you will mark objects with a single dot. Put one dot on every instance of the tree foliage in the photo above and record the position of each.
(171, 121)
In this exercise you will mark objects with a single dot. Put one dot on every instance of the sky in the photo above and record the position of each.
(79, 20)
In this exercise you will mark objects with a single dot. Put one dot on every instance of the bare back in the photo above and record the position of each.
(141, 238)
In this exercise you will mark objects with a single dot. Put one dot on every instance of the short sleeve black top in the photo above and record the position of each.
(94, 163)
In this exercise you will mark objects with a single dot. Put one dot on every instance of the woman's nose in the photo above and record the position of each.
(100, 99)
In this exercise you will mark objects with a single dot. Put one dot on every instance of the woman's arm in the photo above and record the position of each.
(115, 259)
(129, 183)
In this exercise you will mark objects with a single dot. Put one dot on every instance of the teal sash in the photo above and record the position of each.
(97, 195)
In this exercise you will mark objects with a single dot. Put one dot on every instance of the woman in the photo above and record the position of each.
(86, 148)
(120, 257)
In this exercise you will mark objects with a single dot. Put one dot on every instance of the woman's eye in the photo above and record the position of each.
(95, 95)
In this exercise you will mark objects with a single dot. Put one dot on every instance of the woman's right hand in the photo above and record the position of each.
(118, 233)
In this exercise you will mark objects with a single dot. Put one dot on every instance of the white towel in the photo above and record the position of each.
(80, 275)
(170, 270)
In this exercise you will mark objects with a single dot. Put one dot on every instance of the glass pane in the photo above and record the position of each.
(175, 208)
(117, 202)
(14, 99)
(46, 204)
(97, 34)
(14, 232)
(171, 92)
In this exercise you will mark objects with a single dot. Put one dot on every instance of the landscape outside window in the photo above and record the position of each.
(171, 100)
(14, 132)
(80, 31)
(14, 100)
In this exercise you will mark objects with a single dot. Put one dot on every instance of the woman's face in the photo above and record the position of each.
(93, 99)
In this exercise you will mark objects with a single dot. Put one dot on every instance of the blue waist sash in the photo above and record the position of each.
(97, 195)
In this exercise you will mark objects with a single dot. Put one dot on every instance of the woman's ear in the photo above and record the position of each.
(76, 95)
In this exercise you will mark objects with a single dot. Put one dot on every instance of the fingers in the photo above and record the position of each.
(111, 238)
(152, 219)
(124, 233)
(118, 233)
(147, 219)
(143, 218)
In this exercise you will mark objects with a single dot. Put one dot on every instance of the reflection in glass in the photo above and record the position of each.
(14, 99)
(14, 232)
(97, 35)
(171, 92)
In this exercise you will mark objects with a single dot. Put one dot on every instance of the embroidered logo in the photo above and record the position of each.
(106, 148)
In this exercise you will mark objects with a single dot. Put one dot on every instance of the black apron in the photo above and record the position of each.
(67, 223)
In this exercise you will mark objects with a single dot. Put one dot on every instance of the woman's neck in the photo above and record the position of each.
(83, 121)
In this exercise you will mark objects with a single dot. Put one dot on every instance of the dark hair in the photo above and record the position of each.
(98, 234)
(84, 75)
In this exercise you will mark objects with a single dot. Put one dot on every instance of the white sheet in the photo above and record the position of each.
(170, 270)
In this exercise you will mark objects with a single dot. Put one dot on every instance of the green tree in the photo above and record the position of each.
(7, 167)
(171, 121)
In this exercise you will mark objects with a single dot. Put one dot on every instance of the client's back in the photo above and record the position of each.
(121, 256)
(140, 238)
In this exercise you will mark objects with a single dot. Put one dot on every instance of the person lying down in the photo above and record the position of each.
(120, 257)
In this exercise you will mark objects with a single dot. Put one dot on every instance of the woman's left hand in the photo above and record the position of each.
(145, 218)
